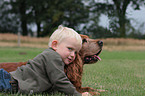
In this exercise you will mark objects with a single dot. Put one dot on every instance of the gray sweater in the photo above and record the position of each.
(44, 72)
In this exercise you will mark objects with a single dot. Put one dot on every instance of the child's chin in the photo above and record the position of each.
(67, 62)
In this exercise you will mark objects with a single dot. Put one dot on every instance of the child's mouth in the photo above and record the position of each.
(69, 59)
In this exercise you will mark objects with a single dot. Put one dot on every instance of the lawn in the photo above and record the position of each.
(122, 73)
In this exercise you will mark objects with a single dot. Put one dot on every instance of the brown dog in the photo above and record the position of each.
(88, 54)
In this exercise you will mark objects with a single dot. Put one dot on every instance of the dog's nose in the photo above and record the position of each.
(100, 43)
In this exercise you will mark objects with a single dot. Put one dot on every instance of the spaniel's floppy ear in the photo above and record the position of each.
(78, 59)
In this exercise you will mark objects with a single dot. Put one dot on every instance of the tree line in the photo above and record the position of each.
(81, 15)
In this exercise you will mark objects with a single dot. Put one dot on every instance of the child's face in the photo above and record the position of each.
(67, 49)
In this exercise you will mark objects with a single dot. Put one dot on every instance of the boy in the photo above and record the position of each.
(45, 73)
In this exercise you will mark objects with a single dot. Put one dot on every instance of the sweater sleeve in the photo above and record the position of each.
(56, 75)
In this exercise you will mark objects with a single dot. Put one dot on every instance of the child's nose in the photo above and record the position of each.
(72, 54)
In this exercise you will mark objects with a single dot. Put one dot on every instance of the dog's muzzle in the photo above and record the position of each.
(92, 58)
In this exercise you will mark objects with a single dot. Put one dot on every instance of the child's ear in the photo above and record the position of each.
(54, 44)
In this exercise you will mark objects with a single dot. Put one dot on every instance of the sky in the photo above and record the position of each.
(137, 18)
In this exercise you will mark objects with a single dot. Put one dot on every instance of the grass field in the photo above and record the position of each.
(122, 73)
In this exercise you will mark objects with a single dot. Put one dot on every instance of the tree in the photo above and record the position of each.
(92, 27)
(37, 13)
(46, 14)
(119, 10)
(116, 11)
(8, 21)
(71, 13)
(19, 8)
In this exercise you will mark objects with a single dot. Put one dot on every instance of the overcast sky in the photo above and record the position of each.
(138, 17)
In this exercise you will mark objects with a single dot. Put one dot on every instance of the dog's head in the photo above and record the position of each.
(90, 50)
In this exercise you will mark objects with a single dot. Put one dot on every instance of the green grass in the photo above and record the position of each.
(122, 73)
(16, 54)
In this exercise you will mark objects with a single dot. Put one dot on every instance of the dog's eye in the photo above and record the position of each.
(84, 40)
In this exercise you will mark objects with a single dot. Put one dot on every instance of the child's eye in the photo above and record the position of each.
(70, 49)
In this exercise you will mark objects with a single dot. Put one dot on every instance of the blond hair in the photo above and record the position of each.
(64, 32)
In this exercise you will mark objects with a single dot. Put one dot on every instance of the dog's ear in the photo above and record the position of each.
(84, 36)
(74, 70)
(84, 40)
